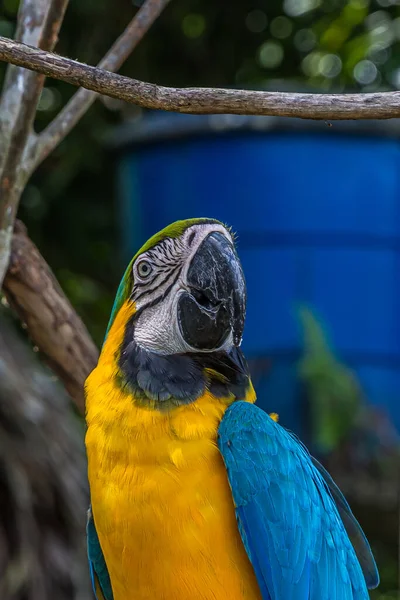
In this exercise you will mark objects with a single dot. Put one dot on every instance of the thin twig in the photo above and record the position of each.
(17, 108)
(54, 19)
(38, 23)
(112, 61)
(384, 105)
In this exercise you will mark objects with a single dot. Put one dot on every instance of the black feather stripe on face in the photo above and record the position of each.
(166, 262)
(166, 279)
(173, 380)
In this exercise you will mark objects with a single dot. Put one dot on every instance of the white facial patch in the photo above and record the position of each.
(157, 295)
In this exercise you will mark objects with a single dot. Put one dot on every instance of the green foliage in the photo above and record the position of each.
(350, 437)
(332, 389)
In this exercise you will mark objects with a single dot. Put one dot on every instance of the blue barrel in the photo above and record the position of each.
(317, 213)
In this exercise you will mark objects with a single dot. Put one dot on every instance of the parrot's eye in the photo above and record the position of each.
(144, 269)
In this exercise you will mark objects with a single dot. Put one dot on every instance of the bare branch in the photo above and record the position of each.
(112, 61)
(54, 19)
(17, 109)
(52, 323)
(384, 105)
(38, 24)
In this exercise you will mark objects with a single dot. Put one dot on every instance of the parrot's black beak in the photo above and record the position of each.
(215, 306)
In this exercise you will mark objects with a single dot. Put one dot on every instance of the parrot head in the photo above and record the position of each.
(187, 292)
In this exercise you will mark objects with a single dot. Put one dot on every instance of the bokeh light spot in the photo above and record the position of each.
(305, 40)
(330, 66)
(256, 21)
(270, 55)
(281, 27)
(365, 72)
(295, 8)
(193, 25)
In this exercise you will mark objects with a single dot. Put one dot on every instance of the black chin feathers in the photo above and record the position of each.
(181, 378)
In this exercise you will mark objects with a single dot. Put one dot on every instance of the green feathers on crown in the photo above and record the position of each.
(172, 231)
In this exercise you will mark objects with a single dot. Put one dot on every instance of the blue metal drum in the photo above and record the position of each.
(316, 209)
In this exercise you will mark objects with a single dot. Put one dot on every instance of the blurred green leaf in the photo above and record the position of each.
(332, 389)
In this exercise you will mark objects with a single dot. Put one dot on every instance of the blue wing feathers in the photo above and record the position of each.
(354, 531)
(294, 521)
(98, 569)
(243, 528)
(298, 530)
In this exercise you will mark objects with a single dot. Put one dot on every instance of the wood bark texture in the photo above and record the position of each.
(39, 22)
(52, 323)
(385, 105)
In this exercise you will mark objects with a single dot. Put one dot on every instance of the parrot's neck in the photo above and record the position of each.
(181, 378)
(166, 381)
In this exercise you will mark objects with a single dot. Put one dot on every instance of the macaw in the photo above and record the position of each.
(196, 493)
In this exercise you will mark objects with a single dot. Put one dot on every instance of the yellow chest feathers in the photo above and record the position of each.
(160, 496)
(161, 500)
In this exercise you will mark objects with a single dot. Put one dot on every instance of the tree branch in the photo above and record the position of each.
(384, 105)
(54, 19)
(38, 24)
(30, 287)
(34, 293)
(112, 61)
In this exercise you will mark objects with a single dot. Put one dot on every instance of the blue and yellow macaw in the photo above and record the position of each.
(197, 494)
